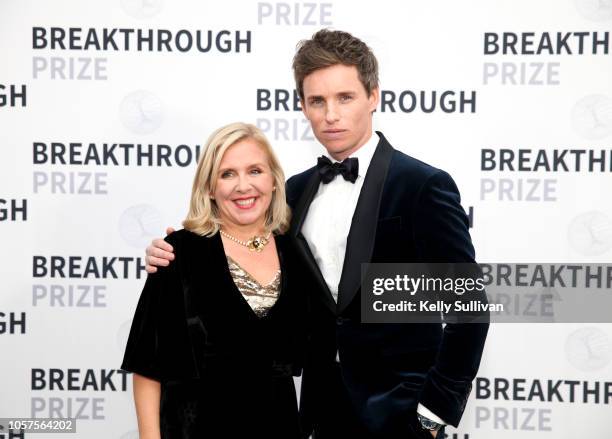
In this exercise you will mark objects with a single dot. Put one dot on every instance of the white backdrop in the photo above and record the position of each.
(65, 323)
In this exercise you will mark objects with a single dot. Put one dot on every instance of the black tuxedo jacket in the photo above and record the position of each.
(407, 211)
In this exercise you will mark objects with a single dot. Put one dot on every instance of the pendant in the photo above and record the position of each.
(257, 243)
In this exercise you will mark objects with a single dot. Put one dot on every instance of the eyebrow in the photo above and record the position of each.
(252, 165)
(345, 92)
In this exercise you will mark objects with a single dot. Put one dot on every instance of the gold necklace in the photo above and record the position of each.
(255, 244)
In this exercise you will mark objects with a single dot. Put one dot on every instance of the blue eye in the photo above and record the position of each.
(226, 174)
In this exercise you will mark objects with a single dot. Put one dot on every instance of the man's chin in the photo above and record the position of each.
(335, 147)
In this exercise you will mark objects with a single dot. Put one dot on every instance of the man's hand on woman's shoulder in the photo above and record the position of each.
(159, 253)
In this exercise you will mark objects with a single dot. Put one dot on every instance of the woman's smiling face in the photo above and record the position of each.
(244, 185)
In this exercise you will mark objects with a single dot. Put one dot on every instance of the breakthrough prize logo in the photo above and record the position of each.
(141, 112)
(142, 9)
(590, 233)
(592, 117)
(588, 349)
(596, 10)
(139, 224)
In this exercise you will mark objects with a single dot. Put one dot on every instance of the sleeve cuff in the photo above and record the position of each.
(424, 411)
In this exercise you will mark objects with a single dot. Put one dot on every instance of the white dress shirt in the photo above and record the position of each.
(328, 223)
(330, 215)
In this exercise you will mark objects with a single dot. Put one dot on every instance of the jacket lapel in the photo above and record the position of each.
(360, 241)
(297, 220)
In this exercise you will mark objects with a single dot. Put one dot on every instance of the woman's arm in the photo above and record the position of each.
(147, 396)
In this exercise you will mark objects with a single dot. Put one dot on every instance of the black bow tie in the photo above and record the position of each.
(348, 168)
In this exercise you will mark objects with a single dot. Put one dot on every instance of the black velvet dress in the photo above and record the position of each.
(224, 371)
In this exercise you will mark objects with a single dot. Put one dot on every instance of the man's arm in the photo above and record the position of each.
(159, 253)
(442, 229)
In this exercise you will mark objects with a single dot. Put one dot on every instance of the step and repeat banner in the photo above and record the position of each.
(105, 107)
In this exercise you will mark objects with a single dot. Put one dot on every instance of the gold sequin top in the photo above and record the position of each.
(260, 297)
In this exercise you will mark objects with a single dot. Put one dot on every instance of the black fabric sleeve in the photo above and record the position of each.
(444, 237)
(159, 346)
(142, 352)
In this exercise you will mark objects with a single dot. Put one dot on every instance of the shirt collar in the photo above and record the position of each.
(364, 154)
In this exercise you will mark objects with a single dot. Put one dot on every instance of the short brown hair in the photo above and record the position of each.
(330, 47)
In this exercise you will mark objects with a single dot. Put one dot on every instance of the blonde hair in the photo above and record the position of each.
(203, 217)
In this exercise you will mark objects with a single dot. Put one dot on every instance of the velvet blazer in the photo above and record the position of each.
(407, 211)
(195, 333)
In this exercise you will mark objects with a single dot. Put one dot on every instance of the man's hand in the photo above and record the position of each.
(159, 253)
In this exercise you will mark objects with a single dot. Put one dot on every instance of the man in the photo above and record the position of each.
(366, 202)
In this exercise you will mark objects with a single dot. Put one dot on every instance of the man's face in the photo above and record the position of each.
(339, 109)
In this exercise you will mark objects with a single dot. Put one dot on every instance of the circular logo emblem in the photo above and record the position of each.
(592, 117)
(139, 224)
(141, 112)
(130, 435)
(596, 10)
(590, 233)
(141, 8)
(588, 349)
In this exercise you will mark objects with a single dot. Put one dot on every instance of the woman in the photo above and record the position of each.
(218, 335)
